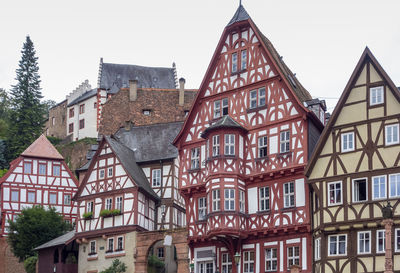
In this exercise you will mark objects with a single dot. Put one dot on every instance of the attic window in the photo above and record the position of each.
(146, 112)
(186, 112)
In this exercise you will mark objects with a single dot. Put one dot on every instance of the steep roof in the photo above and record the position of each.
(224, 122)
(127, 159)
(42, 147)
(62, 240)
(367, 55)
(240, 15)
(152, 142)
(147, 77)
(83, 97)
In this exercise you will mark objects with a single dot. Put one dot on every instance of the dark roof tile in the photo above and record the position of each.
(84, 96)
(240, 15)
(224, 122)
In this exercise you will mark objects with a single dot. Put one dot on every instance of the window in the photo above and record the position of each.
(160, 253)
(110, 245)
(52, 198)
(348, 142)
(335, 193)
(359, 190)
(94, 105)
(216, 198)
(31, 197)
(14, 195)
(285, 141)
(146, 112)
(102, 173)
(293, 255)
(364, 242)
(243, 60)
(241, 201)
(81, 108)
(156, 177)
(271, 260)
(179, 218)
(392, 134)
(234, 62)
(205, 267)
(118, 203)
(202, 208)
(215, 145)
(394, 183)
(70, 128)
(380, 241)
(376, 95)
(257, 98)
(56, 170)
(82, 124)
(120, 243)
(108, 205)
(89, 206)
(262, 146)
(195, 159)
(288, 194)
(317, 250)
(229, 199)
(71, 113)
(248, 262)
(92, 248)
(337, 245)
(397, 240)
(110, 171)
(67, 199)
(42, 169)
(221, 108)
(229, 144)
(226, 263)
(264, 198)
(185, 113)
(379, 187)
(53, 121)
(27, 167)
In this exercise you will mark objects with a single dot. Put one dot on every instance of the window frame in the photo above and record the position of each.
(70, 128)
(227, 264)
(81, 108)
(40, 166)
(122, 243)
(54, 168)
(397, 185)
(397, 240)
(289, 194)
(110, 172)
(294, 257)
(229, 145)
(234, 62)
(273, 250)
(248, 262)
(243, 64)
(379, 187)
(71, 112)
(337, 245)
(202, 208)
(156, 177)
(49, 200)
(353, 185)
(110, 239)
(163, 253)
(119, 202)
(216, 145)
(317, 249)
(341, 193)
(102, 173)
(81, 124)
(380, 231)
(229, 200)
(262, 146)
(284, 141)
(264, 199)
(94, 248)
(89, 206)
(108, 203)
(195, 158)
(26, 169)
(242, 201)
(70, 199)
(28, 193)
(359, 233)
(394, 126)
(216, 200)
(381, 90)
(347, 149)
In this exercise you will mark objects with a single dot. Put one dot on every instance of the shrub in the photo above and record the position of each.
(87, 215)
(116, 267)
(30, 264)
(115, 212)
(105, 213)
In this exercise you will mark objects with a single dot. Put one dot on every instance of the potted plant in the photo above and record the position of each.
(115, 212)
(88, 215)
(105, 213)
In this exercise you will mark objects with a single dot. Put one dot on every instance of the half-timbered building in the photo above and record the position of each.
(242, 154)
(39, 176)
(354, 172)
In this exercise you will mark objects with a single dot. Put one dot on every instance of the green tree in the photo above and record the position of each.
(30, 264)
(47, 104)
(27, 114)
(116, 267)
(3, 160)
(33, 227)
(4, 113)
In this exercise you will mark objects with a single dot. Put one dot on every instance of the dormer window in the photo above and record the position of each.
(146, 112)
(221, 108)
(376, 95)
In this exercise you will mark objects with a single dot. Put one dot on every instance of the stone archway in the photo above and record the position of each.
(147, 239)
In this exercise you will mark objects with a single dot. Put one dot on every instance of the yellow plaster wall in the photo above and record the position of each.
(362, 79)
(357, 94)
(367, 261)
(380, 263)
(373, 75)
(349, 159)
(389, 155)
(320, 167)
(352, 113)
(327, 146)
(396, 262)
(375, 127)
(377, 112)
(392, 105)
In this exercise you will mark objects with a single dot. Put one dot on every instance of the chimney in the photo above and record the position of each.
(128, 125)
(181, 91)
(133, 90)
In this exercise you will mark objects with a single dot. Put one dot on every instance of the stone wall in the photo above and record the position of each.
(8, 262)
(56, 125)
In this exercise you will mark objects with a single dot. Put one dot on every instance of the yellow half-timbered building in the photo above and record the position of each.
(354, 172)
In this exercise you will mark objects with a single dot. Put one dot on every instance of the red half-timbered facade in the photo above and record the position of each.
(39, 176)
(242, 154)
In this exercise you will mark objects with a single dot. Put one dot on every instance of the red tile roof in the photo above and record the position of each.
(42, 147)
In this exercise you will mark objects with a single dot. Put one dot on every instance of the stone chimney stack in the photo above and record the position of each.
(181, 91)
(133, 90)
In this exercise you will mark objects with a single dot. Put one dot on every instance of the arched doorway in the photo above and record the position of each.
(162, 258)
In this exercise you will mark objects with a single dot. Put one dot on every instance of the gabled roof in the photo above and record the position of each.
(62, 240)
(224, 122)
(42, 147)
(84, 96)
(151, 142)
(147, 77)
(366, 56)
(240, 15)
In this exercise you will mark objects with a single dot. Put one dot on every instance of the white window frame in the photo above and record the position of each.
(345, 147)
(94, 251)
(67, 199)
(381, 193)
(363, 241)
(52, 202)
(42, 169)
(195, 158)
(89, 206)
(110, 239)
(229, 199)
(354, 192)
(375, 93)
(247, 261)
(224, 107)
(216, 200)
(31, 194)
(118, 203)
(287, 200)
(27, 170)
(335, 196)
(225, 265)
(264, 197)
(122, 243)
(317, 249)
(396, 186)
(261, 96)
(216, 145)
(284, 141)
(102, 173)
(229, 144)
(110, 171)
(380, 232)
(337, 245)
(234, 60)
(271, 259)
(202, 204)
(56, 170)
(217, 109)
(393, 128)
(13, 199)
(253, 99)
(108, 204)
(397, 240)
(242, 202)
(262, 146)
(156, 177)
(293, 258)
(243, 59)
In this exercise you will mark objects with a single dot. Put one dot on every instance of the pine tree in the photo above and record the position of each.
(27, 113)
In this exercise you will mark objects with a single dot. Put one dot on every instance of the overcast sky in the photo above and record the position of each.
(321, 41)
